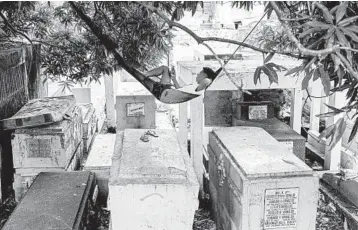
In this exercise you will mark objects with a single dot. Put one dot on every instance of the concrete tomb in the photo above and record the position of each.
(99, 161)
(152, 184)
(55, 147)
(135, 106)
(256, 183)
(89, 125)
(281, 132)
(56, 200)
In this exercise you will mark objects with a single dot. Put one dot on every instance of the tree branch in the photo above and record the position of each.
(348, 65)
(12, 28)
(291, 36)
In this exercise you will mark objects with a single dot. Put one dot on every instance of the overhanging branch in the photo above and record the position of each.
(200, 40)
(13, 29)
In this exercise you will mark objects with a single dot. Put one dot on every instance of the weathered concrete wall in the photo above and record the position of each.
(135, 107)
(217, 108)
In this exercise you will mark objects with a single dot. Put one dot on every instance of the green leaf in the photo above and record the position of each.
(334, 9)
(353, 97)
(350, 34)
(326, 14)
(306, 79)
(316, 74)
(352, 28)
(328, 114)
(310, 31)
(354, 131)
(313, 60)
(317, 24)
(296, 69)
(269, 57)
(341, 11)
(275, 66)
(257, 74)
(336, 61)
(327, 132)
(341, 127)
(272, 75)
(334, 108)
(347, 21)
(325, 80)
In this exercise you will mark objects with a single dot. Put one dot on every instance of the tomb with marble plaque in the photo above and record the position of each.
(256, 183)
(152, 184)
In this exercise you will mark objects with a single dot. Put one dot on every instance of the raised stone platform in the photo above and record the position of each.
(99, 161)
(256, 183)
(55, 201)
(152, 184)
(135, 106)
(281, 132)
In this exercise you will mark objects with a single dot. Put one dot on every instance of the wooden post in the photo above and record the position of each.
(296, 109)
(332, 159)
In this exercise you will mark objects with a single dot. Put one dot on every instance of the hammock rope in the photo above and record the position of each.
(232, 55)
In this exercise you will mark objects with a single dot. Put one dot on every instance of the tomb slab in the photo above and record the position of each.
(152, 184)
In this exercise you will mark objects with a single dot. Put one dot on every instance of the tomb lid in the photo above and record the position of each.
(54, 201)
(100, 156)
(40, 111)
(57, 127)
(258, 154)
(274, 127)
(158, 161)
(131, 89)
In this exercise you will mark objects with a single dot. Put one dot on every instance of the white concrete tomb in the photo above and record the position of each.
(152, 184)
(256, 183)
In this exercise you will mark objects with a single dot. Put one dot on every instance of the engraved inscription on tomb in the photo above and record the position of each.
(135, 109)
(258, 112)
(281, 208)
(39, 148)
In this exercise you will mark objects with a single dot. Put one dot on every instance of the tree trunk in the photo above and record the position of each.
(110, 110)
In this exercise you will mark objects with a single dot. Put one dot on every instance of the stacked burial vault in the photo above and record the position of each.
(47, 138)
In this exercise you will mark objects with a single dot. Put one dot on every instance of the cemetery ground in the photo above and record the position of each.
(328, 216)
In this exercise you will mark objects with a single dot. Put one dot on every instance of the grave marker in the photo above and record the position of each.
(255, 183)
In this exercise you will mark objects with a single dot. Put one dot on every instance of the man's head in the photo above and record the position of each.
(205, 73)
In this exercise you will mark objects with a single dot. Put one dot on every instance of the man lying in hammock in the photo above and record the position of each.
(204, 79)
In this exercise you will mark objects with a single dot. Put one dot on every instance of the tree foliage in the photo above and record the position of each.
(324, 35)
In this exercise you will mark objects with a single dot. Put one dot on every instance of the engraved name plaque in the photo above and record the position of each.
(39, 148)
(135, 109)
(281, 208)
(258, 112)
